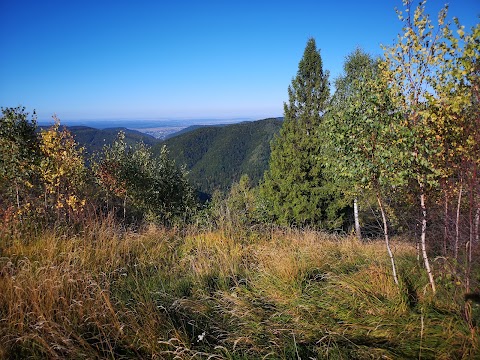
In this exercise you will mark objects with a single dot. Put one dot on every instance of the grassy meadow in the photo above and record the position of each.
(155, 293)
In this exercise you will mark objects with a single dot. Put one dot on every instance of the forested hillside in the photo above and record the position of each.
(189, 129)
(216, 157)
(94, 139)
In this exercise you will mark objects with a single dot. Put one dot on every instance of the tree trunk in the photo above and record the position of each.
(477, 223)
(445, 225)
(17, 194)
(125, 207)
(45, 203)
(423, 239)
(357, 222)
(385, 232)
(57, 202)
(457, 220)
(471, 232)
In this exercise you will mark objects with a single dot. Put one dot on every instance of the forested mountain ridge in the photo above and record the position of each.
(189, 129)
(217, 156)
(94, 139)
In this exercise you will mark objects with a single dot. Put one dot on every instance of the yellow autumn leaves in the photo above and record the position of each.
(62, 171)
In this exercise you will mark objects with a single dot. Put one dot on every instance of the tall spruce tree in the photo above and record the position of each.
(294, 189)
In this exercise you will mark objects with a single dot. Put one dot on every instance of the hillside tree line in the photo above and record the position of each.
(45, 180)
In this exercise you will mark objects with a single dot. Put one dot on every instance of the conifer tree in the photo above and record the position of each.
(294, 188)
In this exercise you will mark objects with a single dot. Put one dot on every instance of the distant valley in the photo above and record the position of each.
(160, 129)
(214, 155)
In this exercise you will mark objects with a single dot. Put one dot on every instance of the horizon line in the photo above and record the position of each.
(111, 119)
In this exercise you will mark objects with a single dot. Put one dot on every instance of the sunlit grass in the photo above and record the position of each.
(276, 294)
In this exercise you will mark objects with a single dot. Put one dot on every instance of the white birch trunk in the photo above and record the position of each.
(387, 243)
(445, 226)
(357, 222)
(423, 240)
(477, 223)
(457, 225)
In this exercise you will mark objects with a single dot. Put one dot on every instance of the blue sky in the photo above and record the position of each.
(180, 59)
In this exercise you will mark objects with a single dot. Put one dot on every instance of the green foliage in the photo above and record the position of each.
(455, 108)
(153, 186)
(19, 158)
(242, 201)
(361, 148)
(43, 174)
(362, 154)
(294, 189)
(217, 156)
(413, 71)
(236, 210)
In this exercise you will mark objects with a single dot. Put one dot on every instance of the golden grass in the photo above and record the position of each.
(171, 293)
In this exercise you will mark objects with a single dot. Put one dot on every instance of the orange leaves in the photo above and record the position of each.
(108, 175)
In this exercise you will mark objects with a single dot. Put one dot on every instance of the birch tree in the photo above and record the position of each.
(361, 151)
(428, 73)
(62, 172)
(154, 187)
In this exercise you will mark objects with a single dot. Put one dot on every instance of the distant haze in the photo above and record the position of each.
(157, 128)
(139, 124)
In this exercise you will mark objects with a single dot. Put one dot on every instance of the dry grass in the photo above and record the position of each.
(279, 294)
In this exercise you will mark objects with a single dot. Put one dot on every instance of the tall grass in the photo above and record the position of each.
(276, 294)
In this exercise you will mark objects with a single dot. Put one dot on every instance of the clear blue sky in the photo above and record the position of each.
(180, 59)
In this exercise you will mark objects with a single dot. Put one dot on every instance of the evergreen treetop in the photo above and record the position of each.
(294, 189)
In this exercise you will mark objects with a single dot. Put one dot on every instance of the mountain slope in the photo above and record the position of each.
(217, 156)
(94, 139)
(189, 129)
